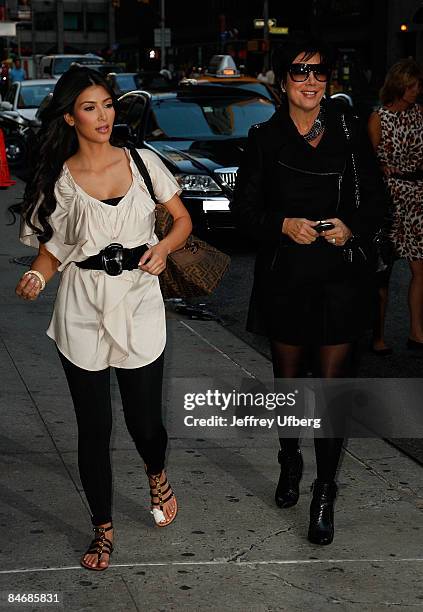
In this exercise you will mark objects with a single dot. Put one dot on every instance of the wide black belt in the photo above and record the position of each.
(114, 258)
(417, 175)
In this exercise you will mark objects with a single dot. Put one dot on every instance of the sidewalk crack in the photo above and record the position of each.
(236, 557)
(130, 593)
(339, 600)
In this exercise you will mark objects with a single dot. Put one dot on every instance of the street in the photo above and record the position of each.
(229, 304)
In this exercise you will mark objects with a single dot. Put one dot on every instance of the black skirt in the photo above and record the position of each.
(311, 296)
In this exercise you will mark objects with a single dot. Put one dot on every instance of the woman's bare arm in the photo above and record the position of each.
(374, 128)
(154, 260)
(29, 286)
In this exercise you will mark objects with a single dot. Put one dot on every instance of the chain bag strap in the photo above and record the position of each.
(353, 250)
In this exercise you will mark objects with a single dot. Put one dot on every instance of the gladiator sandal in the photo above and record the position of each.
(161, 492)
(99, 545)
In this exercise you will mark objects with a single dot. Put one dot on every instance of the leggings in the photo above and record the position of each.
(141, 393)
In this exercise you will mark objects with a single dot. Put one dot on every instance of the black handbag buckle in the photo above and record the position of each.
(112, 259)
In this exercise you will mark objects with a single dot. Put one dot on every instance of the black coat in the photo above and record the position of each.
(281, 176)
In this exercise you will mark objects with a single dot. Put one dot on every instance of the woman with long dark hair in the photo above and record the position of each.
(396, 132)
(308, 187)
(89, 213)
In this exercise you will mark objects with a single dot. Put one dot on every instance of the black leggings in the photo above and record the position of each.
(330, 361)
(141, 393)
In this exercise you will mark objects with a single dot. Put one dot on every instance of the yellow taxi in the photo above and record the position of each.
(222, 70)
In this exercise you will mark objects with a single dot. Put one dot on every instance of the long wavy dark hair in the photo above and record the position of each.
(56, 142)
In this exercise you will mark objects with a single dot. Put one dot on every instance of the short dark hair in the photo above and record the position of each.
(284, 55)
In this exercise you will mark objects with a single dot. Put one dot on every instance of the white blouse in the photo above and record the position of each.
(100, 320)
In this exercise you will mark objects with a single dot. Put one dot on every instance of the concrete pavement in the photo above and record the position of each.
(230, 547)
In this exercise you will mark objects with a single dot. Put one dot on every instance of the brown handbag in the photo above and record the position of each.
(192, 271)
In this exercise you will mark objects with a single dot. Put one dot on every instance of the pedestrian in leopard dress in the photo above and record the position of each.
(396, 132)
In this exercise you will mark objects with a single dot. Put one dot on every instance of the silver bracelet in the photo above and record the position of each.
(39, 276)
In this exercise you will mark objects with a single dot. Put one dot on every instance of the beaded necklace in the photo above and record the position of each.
(317, 127)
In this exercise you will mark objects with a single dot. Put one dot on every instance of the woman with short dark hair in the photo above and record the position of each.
(307, 189)
(396, 132)
(90, 214)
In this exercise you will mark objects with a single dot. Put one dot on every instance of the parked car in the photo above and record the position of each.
(131, 81)
(25, 97)
(55, 65)
(200, 134)
(18, 118)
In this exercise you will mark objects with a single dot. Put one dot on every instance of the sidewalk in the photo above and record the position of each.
(230, 548)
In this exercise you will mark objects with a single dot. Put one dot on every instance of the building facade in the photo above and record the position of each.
(63, 26)
(405, 30)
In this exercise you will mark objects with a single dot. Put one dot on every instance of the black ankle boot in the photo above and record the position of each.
(321, 529)
(287, 491)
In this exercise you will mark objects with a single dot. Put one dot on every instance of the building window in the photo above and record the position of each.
(96, 22)
(45, 21)
(72, 21)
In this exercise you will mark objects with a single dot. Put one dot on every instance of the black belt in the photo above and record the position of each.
(114, 258)
(417, 175)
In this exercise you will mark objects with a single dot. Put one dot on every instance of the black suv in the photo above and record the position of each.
(200, 134)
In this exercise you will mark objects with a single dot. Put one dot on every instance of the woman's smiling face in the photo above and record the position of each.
(305, 95)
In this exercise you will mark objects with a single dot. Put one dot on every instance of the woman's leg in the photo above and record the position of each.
(90, 393)
(141, 392)
(378, 340)
(415, 300)
(288, 363)
(334, 362)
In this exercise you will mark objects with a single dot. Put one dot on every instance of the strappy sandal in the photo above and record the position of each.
(99, 546)
(161, 492)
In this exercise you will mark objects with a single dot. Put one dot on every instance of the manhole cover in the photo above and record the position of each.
(26, 260)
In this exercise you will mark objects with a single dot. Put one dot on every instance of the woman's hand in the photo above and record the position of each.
(29, 287)
(153, 261)
(300, 230)
(339, 234)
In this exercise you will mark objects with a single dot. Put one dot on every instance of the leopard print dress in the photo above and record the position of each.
(401, 147)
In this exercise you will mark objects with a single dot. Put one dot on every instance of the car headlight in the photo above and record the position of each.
(197, 182)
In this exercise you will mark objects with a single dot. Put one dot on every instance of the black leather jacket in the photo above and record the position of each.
(263, 197)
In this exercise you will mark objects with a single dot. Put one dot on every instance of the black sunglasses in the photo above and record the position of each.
(301, 72)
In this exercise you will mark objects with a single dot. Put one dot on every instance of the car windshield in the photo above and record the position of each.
(31, 96)
(206, 118)
(62, 64)
(126, 82)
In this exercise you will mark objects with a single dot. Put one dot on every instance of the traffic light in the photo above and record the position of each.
(404, 27)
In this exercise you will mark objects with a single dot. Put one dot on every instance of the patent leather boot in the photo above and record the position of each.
(321, 529)
(287, 492)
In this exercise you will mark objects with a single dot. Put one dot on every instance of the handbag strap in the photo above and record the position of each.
(144, 173)
(354, 166)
